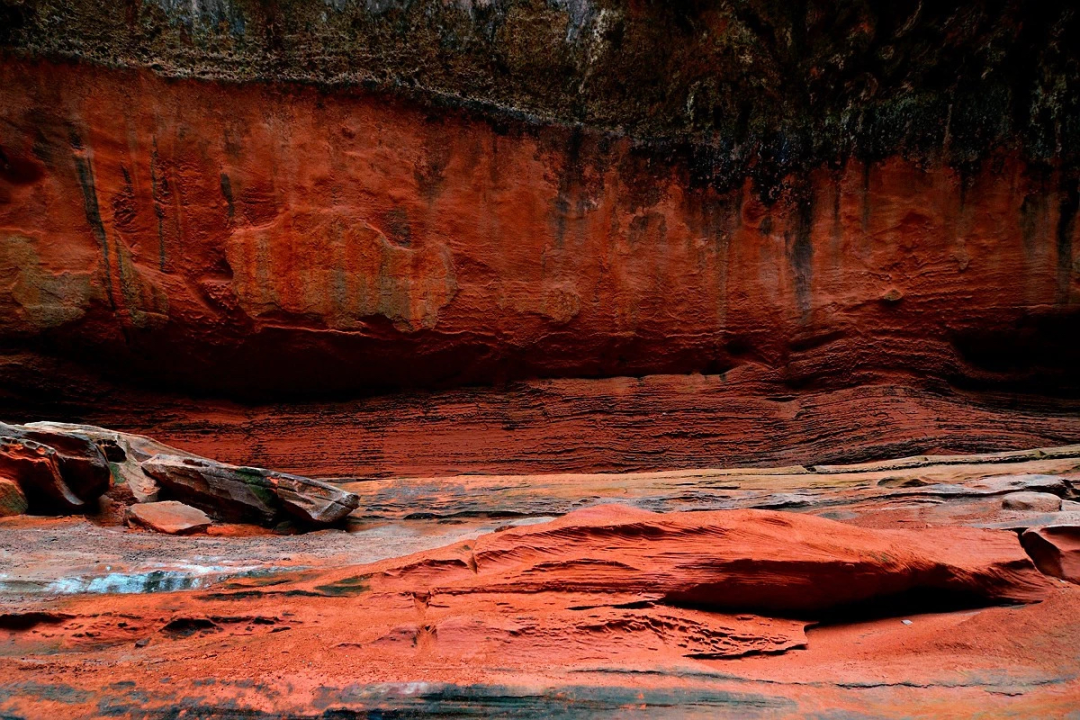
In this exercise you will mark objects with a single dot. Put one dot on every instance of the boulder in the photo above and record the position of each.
(57, 471)
(12, 499)
(233, 492)
(1031, 502)
(125, 453)
(62, 467)
(169, 516)
(36, 469)
(1055, 549)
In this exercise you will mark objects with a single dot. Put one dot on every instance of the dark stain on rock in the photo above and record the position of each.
(123, 204)
(159, 189)
(93, 217)
(867, 168)
(765, 228)
(1069, 204)
(18, 170)
(570, 182)
(226, 192)
(650, 226)
(398, 229)
(1034, 215)
(800, 247)
(430, 171)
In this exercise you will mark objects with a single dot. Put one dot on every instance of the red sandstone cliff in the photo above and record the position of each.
(848, 264)
(245, 238)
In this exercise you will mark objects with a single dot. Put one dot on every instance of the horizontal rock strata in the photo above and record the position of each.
(750, 560)
(150, 226)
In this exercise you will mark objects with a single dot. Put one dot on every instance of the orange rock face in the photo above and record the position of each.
(282, 240)
(280, 243)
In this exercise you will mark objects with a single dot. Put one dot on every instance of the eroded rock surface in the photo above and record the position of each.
(458, 251)
(57, 471)
(607, 596)
(1032, 501)
(81, 462)
(688, 601)
(245, 492)
(1056, 549)
(753, 560)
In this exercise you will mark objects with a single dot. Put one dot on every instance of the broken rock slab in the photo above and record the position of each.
(1034, 520)
(57, 472)
(125, 453)
(1000, 485)
(170, 517)
(240, 493)
(1055, 549)
(145, 471)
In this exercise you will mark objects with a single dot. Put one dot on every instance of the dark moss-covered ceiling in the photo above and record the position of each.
(773, 85)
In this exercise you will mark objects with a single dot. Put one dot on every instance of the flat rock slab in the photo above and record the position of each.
(1000, 485)
(1015, 483)
(1034, 520)
(169, 516)
(1031, 502)
(1055, 550)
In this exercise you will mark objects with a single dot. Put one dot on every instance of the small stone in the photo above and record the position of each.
(142, 642)
(1031, 501)
(169, 516)
(892, 297)
(12, 500)
(906, 622)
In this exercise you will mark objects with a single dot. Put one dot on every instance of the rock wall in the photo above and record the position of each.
(245, 203)
(245, 238)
